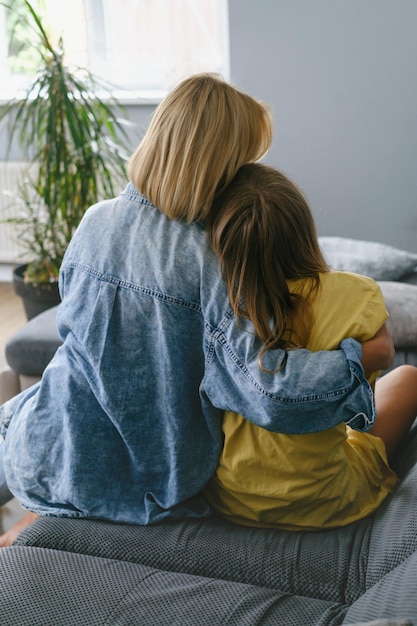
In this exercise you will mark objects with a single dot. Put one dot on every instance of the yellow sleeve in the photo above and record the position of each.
(346, 305)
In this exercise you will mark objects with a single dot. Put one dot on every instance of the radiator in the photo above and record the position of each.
(10, 175)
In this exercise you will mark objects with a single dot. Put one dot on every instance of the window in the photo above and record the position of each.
(142, 47)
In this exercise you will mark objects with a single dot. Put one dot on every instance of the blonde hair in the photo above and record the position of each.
(199, 136)
(263, 230)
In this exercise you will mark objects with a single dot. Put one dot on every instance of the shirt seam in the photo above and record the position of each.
(217, 335)
(126, 284)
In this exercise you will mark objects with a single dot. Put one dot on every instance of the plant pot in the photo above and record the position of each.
(36, 297)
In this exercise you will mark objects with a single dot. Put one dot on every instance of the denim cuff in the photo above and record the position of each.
(353, 352)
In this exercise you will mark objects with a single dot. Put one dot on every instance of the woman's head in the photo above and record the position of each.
(263, 230)
(199, 136)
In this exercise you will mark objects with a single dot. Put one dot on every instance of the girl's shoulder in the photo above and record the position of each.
(336, 280)
(347, 278)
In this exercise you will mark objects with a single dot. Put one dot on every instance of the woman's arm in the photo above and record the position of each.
(299, 392)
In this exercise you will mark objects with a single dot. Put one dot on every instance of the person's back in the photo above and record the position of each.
(132, 325)
(117, 428)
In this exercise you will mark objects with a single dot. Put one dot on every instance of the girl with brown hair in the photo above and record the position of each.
(278, 282)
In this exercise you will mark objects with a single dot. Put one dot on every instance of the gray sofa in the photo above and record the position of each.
(71, 572)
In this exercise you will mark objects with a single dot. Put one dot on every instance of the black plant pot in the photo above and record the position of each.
(36, 298)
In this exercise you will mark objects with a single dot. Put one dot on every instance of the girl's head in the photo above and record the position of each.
(199, 136)
(263, 230)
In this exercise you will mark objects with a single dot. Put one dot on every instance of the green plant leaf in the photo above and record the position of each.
(73, 131)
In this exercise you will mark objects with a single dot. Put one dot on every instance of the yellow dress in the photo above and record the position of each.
(317, 480)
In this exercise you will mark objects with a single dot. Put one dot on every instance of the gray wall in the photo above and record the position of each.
(341, 77)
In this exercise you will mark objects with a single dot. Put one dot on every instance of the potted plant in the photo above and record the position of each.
(72, 134)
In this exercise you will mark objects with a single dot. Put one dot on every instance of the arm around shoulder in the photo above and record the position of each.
(298, 391)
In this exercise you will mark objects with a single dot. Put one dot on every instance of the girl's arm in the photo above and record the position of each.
(378, 353)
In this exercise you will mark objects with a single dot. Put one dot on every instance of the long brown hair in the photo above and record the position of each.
(263, 230)
(199, 136)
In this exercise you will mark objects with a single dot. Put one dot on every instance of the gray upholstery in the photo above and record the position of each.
(275, 559)
(371, 258)
(42, 587)
(401, 302)
(366, 571)
(29, 351)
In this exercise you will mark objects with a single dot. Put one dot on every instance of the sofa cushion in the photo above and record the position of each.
(393, 539)
(401, 302)
(297, 563)
(393, 597)
(336, 566)
(40, 586)
(29, 351)
(377, 260)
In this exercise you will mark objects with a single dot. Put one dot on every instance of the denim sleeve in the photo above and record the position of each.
(298, 391)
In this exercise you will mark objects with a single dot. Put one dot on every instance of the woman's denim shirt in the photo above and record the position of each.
(126, 422)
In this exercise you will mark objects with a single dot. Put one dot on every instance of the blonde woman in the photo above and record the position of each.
(279, 283)
(126, 422)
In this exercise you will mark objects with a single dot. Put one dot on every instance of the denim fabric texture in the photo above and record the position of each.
(126, 422)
